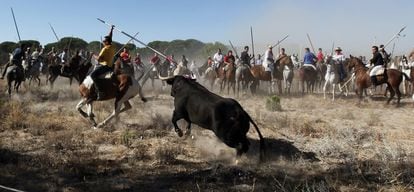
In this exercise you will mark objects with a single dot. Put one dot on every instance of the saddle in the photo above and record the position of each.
(379, 72)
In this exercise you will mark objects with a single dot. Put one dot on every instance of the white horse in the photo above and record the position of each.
(331, 78)
(295, 60)
(287, 78)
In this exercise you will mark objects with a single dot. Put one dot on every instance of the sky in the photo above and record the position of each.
(354, 25)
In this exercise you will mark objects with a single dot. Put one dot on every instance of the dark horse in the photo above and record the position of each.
(76, 69)
(15, 74)
(309, 75)
(391, 77)
(159, 68)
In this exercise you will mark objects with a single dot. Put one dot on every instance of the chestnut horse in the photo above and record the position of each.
(259, 73)
(120, 86)
(308, 75)
(391, 77)
(227, 77)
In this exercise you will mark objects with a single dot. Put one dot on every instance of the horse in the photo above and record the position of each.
(77, 70)
(321, 68)
(119, 86)
(227, 77)
(391, 77)
(15, 74)
(295, 61)
(331, 77)
(34, 71)
(154, 71)
(288, 75)
(259, 73)
(308, 75)
(243, 76)
(406, 68)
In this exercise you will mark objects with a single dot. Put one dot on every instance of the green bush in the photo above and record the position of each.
(273, 103)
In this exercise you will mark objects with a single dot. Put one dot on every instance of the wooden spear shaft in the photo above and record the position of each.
(15, 24)
(310, 41)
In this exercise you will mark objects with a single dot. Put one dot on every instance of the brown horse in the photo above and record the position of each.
(259, 73)
(391, 77)
(120, 86)
(227, 77)
(308, 75)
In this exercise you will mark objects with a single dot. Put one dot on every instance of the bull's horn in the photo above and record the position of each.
(165, 78)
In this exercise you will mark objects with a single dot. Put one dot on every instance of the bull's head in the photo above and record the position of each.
(176, 82)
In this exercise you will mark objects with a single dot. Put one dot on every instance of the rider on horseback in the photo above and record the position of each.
(268, 60)
(338, 58)
(378, 62)
(229, 59)
(245, 58)
(217, 59)
(18, 56)
(309, 59)
(105, 59)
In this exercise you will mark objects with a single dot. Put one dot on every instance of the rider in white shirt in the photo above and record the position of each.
(339, 59)
(218, 59)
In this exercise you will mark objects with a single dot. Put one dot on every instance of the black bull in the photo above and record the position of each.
(224, 116)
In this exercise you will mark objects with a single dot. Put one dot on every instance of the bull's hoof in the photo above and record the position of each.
(144, 99)
(179, 132)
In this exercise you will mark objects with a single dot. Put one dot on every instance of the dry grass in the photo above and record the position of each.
(365, 148)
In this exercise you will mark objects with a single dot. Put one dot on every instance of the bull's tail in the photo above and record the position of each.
(262, 142)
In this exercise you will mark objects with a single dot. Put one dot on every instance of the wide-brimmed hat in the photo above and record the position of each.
(269, 46)
(338, 49)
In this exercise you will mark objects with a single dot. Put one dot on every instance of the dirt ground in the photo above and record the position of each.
(312, 145)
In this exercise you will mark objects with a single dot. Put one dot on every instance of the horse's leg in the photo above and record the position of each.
(397, 90)
(324, 89)
(392, 93)
(333, 91)
(38, 79)
(52, 79)
(115, 113)
(89, 113)
(140, 94)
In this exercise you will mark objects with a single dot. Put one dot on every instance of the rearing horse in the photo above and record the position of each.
(122, 87)
(391, 77)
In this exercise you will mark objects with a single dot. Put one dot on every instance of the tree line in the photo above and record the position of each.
(192, 48)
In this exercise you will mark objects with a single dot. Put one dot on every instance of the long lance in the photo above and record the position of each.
(310, 41)
(15, 24)
(395, 36)
(54, 32)
(332, 50)
(130, 36)
(234, 49)
(279, 42)
(126, 43)
(251, 36)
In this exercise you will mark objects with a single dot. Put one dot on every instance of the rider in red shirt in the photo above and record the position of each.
(155, 59)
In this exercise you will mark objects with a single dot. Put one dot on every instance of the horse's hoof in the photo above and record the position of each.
(144, 99)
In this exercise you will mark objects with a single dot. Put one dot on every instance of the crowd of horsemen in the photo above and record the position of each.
(25, 59)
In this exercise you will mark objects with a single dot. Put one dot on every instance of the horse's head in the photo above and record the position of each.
(286, 61)
(353, 62)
